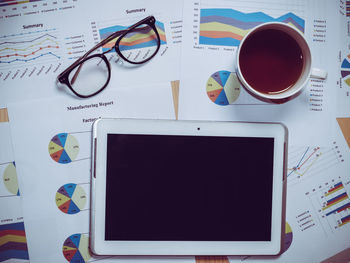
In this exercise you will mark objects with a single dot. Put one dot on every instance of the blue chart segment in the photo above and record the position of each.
(13, 242)
(29, 48)
(227, 27)
(75, 248)
(63, 148)
(223, 88)
(133, 41)
(70, 198)
(345, 70)
(332, 202)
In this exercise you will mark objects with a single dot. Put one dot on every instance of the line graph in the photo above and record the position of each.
(48, 36)
(306, 161)
(21, 49)
(31, 54)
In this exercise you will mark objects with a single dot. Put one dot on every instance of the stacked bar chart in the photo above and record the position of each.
(13, 242)
(332, 203)
(227, 27)
(339, 197)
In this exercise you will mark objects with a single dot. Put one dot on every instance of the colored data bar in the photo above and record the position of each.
(336, 200)
(11, 2)
(348, 8)
(335, 188)
(345, 220)
(339, 209)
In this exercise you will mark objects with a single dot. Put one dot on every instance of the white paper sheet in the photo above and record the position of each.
(317, 195)
(51, 177)
(343, 81)
(13, 244)
(204, 55)
(39, 40)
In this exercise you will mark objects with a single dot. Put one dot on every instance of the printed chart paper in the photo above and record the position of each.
(318, 203)
(209, 88)
(39, 39)
(13, 243)
(54, 163)
(343, 81)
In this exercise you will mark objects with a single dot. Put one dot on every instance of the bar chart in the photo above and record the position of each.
(332, 203)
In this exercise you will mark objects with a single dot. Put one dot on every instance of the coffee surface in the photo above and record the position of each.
(271, 61)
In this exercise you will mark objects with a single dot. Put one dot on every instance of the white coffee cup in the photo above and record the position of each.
(306, 72)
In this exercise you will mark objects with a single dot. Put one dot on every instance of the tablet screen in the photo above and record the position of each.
(188, 188)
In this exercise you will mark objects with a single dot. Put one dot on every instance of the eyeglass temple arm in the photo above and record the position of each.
(106, 40)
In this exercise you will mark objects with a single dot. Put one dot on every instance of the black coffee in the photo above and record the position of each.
(271, 61)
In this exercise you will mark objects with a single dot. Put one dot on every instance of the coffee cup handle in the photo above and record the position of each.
(317, 73)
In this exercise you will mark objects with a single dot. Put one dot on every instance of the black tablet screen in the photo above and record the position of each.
(188, 188)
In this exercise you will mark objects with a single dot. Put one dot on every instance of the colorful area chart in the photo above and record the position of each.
(75, 248)
(71, 198)
(227, 27)
(223, 88)
(133, 40)
(13, 242)
(10, 179)
(345, 70)
(63, 148)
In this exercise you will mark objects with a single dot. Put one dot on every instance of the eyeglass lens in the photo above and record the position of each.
(139, 44)
(92, 77)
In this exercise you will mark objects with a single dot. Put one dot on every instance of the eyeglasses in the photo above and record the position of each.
(90, 74)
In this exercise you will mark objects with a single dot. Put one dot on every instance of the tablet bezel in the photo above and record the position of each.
(102, 127)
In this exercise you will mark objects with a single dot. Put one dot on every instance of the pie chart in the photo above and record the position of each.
(345, 70)
(75, 248)
(223, 88)
(10, 179)
(63, 148)
(70, 198)
(288, 238)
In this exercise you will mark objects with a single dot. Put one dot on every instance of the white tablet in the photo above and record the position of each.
(165, 187)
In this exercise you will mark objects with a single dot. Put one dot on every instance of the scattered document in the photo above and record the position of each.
(13, 243)
(210, 89)
(40, 39)
(53, 157)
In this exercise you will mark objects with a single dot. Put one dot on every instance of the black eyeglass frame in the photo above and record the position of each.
(63, 77)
